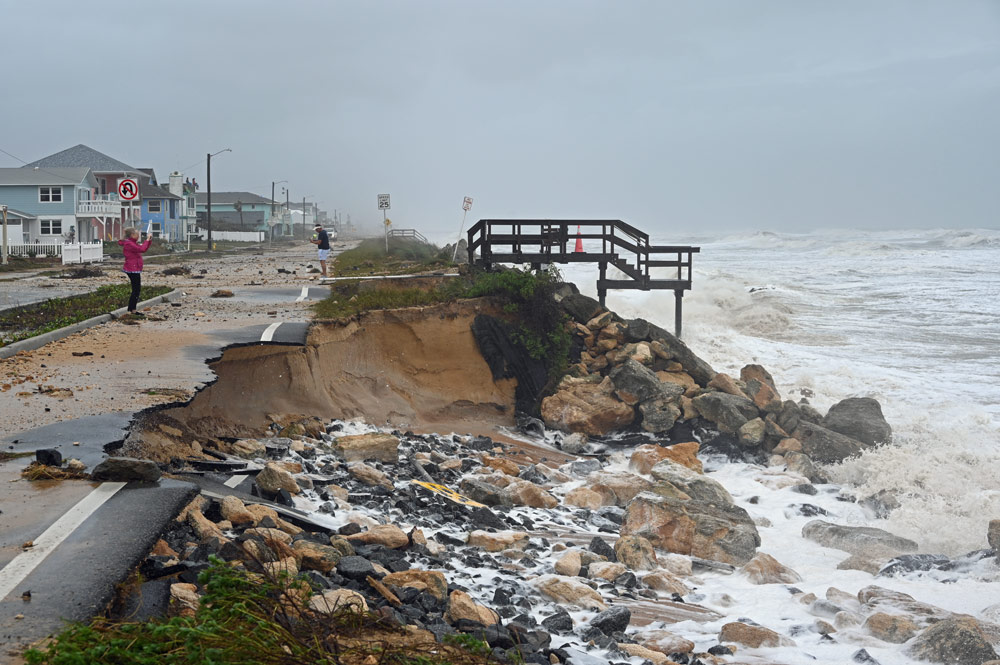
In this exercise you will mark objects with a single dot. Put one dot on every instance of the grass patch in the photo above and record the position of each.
(32, 320)
(25, 264)
(405, 256)
(244, 618)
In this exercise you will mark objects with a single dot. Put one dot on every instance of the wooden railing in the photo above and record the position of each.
(544, 241)
(407, 233)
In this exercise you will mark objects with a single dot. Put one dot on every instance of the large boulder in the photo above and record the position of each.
(580, 307)
(729, 412)
(672, 478)
(699, 370)
(126, 469)
(659, 414)
(586, 406)
(634, 383)
(859, 418)
(720, 532)
(957, 641)
(361, 447)
(826, 446)
(856, 539)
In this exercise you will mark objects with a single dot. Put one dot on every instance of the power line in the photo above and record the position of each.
(39, 168)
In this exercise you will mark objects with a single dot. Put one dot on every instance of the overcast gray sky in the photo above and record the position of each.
(695, 114)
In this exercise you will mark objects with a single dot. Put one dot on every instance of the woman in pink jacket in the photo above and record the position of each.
(133, 262)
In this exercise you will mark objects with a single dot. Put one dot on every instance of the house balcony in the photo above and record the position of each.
(99, 208)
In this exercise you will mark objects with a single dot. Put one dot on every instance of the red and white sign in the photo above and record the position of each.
(128, 189)
(467, 204)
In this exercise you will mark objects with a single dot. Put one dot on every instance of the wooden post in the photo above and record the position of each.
(602, 291)
(678, 299)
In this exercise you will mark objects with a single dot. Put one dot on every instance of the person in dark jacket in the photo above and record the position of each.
(321, 239)
(133, 262)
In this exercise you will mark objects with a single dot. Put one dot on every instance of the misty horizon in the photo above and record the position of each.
(696, 116)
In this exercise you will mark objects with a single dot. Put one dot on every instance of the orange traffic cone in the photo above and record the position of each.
(579, 240)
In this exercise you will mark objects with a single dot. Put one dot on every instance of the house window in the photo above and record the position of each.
(50, 194)
(173, 209)
(154, 205)
(157, 229)
(51, 227)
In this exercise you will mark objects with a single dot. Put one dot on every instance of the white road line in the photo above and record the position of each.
(21, 566)
(303, 295)
(234, 481)
(269, 332)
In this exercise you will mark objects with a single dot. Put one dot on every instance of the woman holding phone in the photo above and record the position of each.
(133, 263)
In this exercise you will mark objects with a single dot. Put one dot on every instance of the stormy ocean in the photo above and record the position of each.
(909, 318)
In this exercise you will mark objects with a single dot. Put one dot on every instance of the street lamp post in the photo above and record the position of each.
(208, 205)
(4, 210)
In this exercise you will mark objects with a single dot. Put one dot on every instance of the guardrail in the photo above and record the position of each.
(407, 233)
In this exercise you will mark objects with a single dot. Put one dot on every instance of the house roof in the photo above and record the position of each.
(81, 155)
(17, 213)
(44, 176)
(229, 198)
(147, 191)
(151, 173)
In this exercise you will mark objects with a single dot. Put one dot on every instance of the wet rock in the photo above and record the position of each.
(765, 569)
(568, 591)
(581, 308)
(699, 370)
(274, 478)
(802, 464)
(635, 383)
(859, 418)
(369, 475)
(497, 542)
(729, 412)
(484, 493)
(636, 553)
(461, 606)
(890, 627)
(601, 548)
(584, 406)
(235, 511)
(49, 457)
(355, 568)
(561, 622)
(826, 446)
(855, 539)
(957, 641)
(862, 656)
(661, 580)
(613, 620)
(387, 535)
(909, 563)
(608, 571)
(316, 556)
(721, 532)
(659, 414)
(993, 534)
(618, 489)
(361, 447)
(331, 601)
(751, 433)
(430, 581)
(569, 564)
(126, 469)
(754, 637)
(584, 497)
(524, 493)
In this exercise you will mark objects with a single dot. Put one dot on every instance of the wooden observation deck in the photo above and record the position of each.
(543, 241)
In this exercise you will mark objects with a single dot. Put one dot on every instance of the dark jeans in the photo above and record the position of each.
(136, 279)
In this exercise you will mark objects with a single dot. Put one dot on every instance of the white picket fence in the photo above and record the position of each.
(235, 236)
(86, 252)
(34, 249)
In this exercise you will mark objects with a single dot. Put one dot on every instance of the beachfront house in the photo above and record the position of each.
(107, 171)
(57, 204)
(159, 209)
(244, 211)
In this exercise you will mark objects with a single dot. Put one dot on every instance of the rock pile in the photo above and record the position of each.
(634, 374)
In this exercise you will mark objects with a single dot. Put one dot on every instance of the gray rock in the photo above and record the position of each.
(634, 382)
(698, 369)
(789, 416)
(127, 469)
(956, 641)
(660, 414)
(696, 485)
(826, 446)
(729, 412)
(582, 308)
(484, 493)
(615, 619)
(355, 568)
(804, 466)
(859, 418)
(856, 539)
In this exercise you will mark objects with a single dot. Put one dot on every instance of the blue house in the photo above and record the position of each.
(59, 203)
(160, 209)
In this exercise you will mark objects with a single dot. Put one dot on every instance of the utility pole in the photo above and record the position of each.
(288, 211)
(303, 218)
(208, 206)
